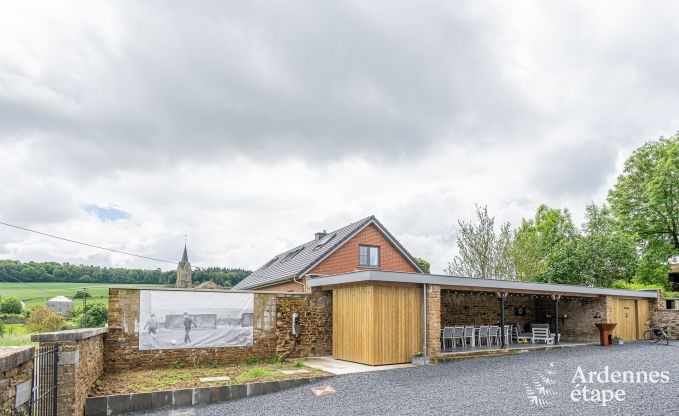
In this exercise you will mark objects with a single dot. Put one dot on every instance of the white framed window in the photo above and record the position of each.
(368, 256)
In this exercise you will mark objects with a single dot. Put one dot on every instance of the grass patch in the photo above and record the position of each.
(144, 381)
(16, 340)
(254, 374)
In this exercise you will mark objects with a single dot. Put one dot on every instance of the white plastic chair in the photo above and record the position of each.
(447, 335)
(468, 334)
(493, 335)
(458, 333)
(483, 334)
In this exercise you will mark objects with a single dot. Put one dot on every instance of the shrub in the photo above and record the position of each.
(11, 305)
(252, 360)
(43, 319)
(276, 359)
(177, 365)
(298, 363)
(96, 316)
(2, 329)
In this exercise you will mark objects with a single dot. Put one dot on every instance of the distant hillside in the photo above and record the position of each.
(56, 272)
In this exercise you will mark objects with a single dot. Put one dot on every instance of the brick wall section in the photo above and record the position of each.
(433, 320)
(16, 368)
(271, 332)
(287, 286)
(345, 258)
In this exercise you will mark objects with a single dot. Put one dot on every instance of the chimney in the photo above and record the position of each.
(320, 235)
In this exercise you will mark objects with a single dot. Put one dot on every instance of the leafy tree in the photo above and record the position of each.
(81, 294)
(646, 201)
(549, 233)
(43, 319)
(527, 253)
(11, 305)
(96, 316)
(482, 252)
(424, 264)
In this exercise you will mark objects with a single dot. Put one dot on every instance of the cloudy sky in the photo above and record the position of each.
(251, 125)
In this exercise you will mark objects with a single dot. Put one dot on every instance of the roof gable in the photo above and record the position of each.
(299, 260)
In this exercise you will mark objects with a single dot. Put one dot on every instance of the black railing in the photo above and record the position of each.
(44, 393)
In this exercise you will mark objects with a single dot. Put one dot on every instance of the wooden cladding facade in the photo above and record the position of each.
(377, 324)
(631, 316)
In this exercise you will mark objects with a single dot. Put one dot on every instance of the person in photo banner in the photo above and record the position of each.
(187, 327)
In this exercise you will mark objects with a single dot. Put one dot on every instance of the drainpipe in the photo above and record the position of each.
(294, 279)
(424, 307)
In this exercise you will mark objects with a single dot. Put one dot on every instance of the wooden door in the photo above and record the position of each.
(626, 315)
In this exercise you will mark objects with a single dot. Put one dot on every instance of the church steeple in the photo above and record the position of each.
(184, 274)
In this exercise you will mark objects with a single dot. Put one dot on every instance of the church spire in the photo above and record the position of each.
(185, 256)
(184, 270)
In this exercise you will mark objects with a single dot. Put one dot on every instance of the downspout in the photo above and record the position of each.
(294, 279)
(424, 307)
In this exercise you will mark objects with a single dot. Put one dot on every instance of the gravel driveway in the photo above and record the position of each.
(534, 383)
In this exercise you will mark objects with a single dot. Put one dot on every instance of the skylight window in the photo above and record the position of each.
(291, 254)
(269, 263)
(325, 240)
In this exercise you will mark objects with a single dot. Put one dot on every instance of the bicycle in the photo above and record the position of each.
(657, 334)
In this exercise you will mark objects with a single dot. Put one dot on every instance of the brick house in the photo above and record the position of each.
(363, 245)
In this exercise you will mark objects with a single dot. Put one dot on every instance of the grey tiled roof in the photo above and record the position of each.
(296, 261)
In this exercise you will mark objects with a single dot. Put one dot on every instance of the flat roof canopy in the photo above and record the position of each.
(469, 283)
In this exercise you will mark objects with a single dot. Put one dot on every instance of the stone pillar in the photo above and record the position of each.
(16, 375)
(81, 362)
(433, 320)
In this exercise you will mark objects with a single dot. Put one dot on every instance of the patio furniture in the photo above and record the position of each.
(483, 334)
(508, 337)
(468, 335)
(458, 333)
(546, 326)
(493, 335)
(542, 335)
(447, 335)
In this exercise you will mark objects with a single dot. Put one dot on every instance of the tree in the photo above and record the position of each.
(81, 294)
(43, 319)
(482, 252)
(11, 305)
(549, 233)
(96, 316)
(424, 264)
(645, 199)
(605, 253)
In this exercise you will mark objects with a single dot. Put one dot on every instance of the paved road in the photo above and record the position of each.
(534, 383)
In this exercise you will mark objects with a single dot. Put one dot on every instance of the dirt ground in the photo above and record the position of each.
(177, 378)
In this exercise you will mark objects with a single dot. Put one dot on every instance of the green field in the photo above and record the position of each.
(35, 294)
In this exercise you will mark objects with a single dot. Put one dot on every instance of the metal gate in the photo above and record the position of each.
(44, 394)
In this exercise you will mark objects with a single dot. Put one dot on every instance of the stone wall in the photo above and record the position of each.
(668, 318)
(81, 363)
(16, 374)
(271, 332)
(433, 320)
(482, 308)
(583, 313)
